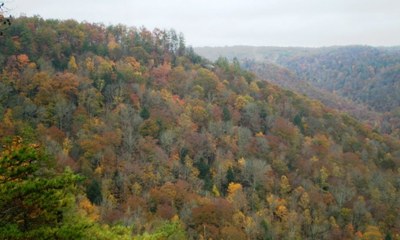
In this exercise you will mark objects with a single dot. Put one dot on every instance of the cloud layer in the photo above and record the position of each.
(233, 22)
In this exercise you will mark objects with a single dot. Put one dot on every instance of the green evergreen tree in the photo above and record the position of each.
(230, 175)
(226, 114)
(93, 192)
(145, 114)
(35, 202)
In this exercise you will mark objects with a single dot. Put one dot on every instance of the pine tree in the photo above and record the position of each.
(145, 114)
(35, 203)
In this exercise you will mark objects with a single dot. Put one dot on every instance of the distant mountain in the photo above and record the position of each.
(363, 75)
(288, 79)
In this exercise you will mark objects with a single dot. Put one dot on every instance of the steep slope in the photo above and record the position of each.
(288, 79)
(362, 75)
(180, 148)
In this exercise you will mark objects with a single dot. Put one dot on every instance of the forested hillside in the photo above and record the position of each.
(365, 78)
(364, 74)
(288, 79)
(121, 133)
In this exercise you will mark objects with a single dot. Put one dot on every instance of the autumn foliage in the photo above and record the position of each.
(173, 146)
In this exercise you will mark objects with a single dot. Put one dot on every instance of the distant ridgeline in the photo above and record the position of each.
(121, 133)
(363, 81)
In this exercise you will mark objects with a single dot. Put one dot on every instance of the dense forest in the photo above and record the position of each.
(361, 80)
(115, 132)
(287, 79)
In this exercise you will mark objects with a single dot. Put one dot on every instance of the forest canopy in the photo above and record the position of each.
(136, 136)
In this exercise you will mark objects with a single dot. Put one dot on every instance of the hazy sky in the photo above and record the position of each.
(239, 22)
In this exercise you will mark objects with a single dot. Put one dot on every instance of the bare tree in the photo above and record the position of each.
(4, 21)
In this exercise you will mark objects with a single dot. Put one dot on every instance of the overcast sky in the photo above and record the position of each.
(308, 23)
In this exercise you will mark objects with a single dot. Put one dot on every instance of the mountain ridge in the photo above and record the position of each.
(172, 146)
(359, 74)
